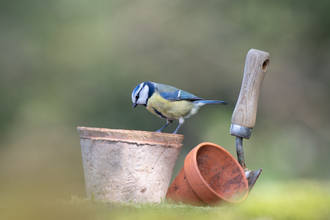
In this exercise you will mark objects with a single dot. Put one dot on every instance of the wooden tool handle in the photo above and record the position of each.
(245, 111)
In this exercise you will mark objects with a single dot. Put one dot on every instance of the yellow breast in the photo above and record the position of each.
(167, 109)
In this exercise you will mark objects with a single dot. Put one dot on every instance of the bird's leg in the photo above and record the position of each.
(181, 121)
(168, 123)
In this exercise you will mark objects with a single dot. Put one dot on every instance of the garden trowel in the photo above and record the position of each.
(245, 112)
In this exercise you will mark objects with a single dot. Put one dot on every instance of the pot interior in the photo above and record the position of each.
(222, 173)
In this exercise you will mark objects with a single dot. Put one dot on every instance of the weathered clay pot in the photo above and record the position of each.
(125, 165)
(211, 175)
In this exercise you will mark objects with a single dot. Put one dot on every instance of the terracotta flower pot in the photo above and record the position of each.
(211, 175)
(125, 165)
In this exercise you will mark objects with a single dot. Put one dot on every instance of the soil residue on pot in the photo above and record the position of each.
(221, 173)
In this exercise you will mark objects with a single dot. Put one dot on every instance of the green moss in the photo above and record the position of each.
(298, 199)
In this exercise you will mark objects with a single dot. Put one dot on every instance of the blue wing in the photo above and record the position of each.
(171, 93)
(179, 95)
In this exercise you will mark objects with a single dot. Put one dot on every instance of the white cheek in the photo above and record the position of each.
(143, 96)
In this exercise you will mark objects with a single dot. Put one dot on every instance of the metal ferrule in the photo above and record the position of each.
(240, 131)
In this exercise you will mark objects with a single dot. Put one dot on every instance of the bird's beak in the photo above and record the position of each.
(134, 105)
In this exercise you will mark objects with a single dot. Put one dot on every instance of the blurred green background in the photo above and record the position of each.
(74, 63)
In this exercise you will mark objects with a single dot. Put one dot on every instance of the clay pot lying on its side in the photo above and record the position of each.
(211, 175)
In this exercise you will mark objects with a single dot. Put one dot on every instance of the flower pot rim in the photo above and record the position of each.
(131, 136)
(193, 156)
(81, 128)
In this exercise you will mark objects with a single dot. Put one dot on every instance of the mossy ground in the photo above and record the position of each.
(298, 199)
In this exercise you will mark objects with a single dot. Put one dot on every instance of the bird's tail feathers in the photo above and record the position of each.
(212, 102)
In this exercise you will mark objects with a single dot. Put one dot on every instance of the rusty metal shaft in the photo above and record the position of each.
(240, 152)
(251, 176)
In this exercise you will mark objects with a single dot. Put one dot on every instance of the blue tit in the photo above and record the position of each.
(169, 102)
